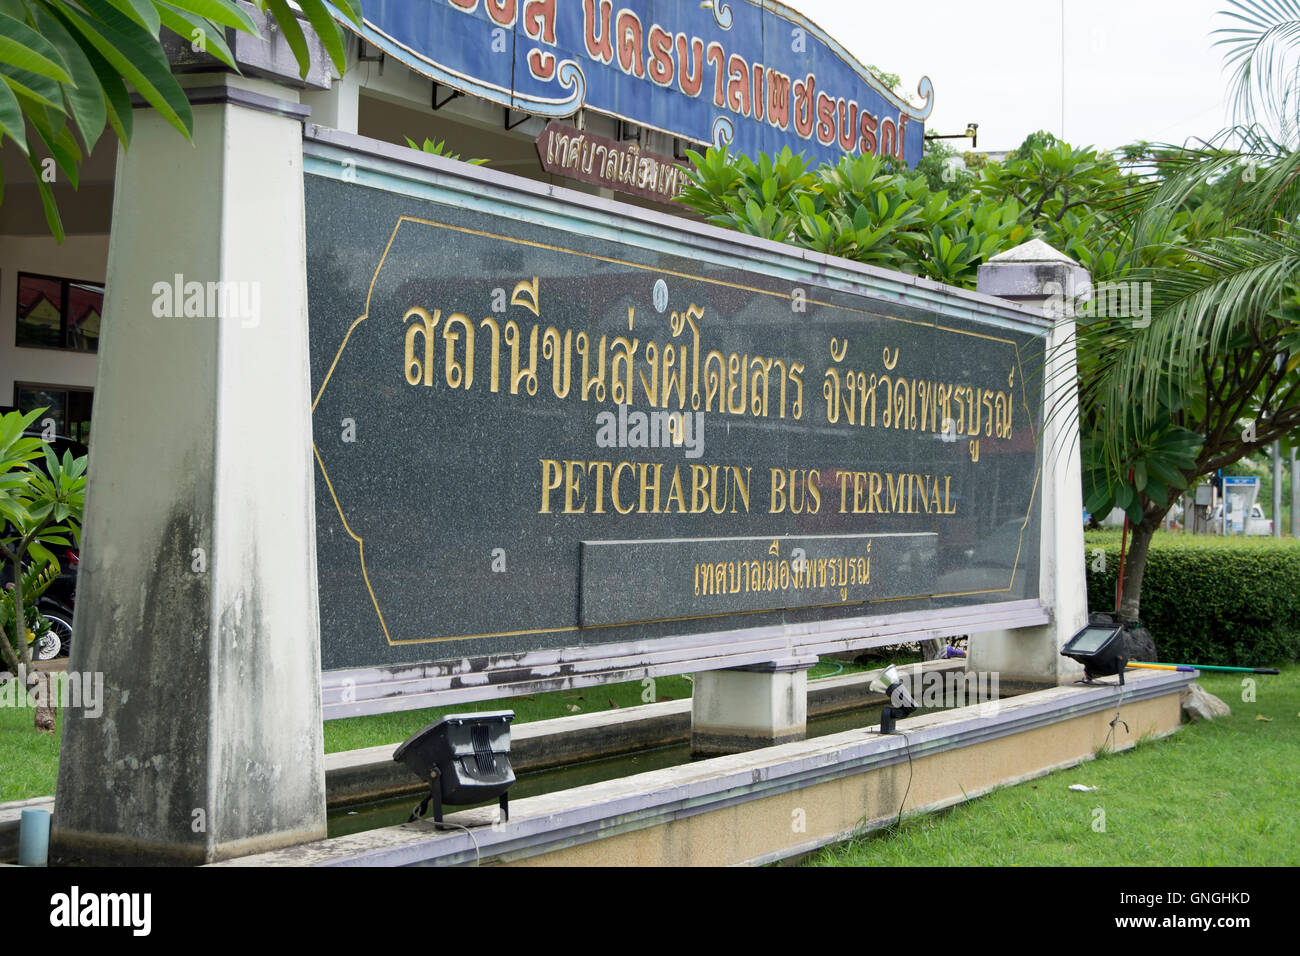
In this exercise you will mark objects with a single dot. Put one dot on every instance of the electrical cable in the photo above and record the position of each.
(1116, 719)
(444, 825)
(908, 744)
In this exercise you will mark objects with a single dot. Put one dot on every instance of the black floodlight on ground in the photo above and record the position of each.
(1101, 649)
(900, 703)
(464, 758)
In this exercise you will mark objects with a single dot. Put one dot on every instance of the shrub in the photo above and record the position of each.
(1210, 600)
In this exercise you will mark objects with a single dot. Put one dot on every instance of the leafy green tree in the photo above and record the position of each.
(944, 169)
(765, 198)
(1041, 139)
(861, 209)
(1212, 377)
(1073, 197)
(67, 68)
(39, 509)
(892, 81)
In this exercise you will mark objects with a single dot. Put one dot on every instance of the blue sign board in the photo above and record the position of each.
(752, 73)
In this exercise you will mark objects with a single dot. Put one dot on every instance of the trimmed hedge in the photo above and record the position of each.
(1208, 599)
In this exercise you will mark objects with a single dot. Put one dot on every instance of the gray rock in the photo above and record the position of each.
(1138, 643)
(1200, 704)
(1141, 646)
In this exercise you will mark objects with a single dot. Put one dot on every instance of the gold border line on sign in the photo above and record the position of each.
(659, 271)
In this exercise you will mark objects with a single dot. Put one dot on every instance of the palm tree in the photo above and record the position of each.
(1213, 376)
(67, 68)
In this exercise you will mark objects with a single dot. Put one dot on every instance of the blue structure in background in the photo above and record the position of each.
(756, 75)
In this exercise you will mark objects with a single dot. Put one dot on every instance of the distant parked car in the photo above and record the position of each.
(1256, 525)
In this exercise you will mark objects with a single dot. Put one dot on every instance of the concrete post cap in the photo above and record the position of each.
(1034, 270)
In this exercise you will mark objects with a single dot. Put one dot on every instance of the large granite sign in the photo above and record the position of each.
(533, 437)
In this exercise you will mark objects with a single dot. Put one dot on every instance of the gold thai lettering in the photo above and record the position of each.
(527, 374)
(737, 379)
(590, 382)
(762, 368)
(561, 363)
(491, 324)
(652, 361)
(458, 375)
(769, 576)
(528, 295)
(624, 352)
(419, 371)
(901, 402)
(713, 379)
(681, 372)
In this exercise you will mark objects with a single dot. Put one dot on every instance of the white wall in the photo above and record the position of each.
(79, 257)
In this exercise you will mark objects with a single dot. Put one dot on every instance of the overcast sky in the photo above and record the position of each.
(1133, 69)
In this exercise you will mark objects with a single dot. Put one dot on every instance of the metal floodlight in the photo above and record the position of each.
(1101, 649)
(900, 703)
(464, 758)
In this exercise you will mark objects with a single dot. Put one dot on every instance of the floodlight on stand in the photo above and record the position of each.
(464, 758)
(900, 703)
(1101, 649)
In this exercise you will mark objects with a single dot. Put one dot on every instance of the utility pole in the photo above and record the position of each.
(1277, 489)
(1063, 70)
(1295, 495)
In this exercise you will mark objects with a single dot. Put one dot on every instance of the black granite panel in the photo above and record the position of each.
(623, 394)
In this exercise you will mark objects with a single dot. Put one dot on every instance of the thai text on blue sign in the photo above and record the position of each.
(756, 75)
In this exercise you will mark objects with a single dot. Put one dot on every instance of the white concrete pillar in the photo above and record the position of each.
(1036, 275)
(339, 106)
(743, 708)
(197, 596)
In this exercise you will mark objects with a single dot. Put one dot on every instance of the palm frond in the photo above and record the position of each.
(1226, 293)
(1263, 50)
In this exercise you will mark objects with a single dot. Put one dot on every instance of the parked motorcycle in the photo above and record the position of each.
(56, 606)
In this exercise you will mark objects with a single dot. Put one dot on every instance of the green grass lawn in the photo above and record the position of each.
(29, 761)
(1214, 794)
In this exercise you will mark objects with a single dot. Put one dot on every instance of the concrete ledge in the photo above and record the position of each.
(357, 776)
(748, 808)
(369, 774)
